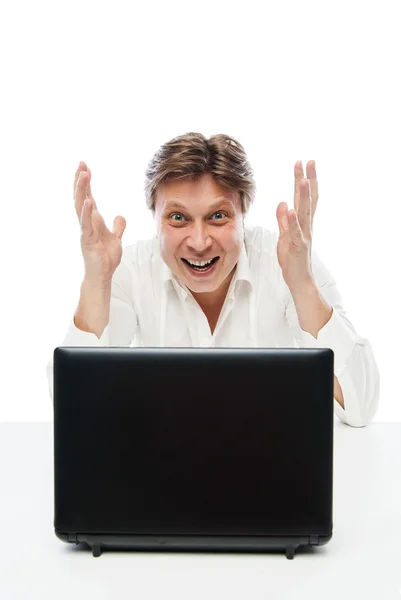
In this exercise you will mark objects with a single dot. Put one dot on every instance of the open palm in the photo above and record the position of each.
(101, 248)
(294, 247)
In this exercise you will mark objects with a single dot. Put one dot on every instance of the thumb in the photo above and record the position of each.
(119, 225)
(282, 217)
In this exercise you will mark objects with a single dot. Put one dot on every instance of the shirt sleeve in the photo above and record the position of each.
(354, 363)
(122, 324)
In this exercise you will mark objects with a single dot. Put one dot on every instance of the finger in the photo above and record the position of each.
(314, 190)
(299, 174)
(295, 229)
(282, 218)
(77, 172)
(83, 168)
(89, 190)
(304, 210)
(80, 192)
(119, 225)
(86, 221)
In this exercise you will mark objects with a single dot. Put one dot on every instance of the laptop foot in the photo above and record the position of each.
(290, 550)
(96, 550)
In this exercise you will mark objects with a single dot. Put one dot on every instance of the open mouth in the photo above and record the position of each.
(201, 266)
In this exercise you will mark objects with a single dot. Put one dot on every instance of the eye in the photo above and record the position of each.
(220, 212)
(176, 215)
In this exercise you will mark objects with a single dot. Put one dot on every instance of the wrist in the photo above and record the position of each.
(306, 288)
(101, 285)
(312, 308)
(93, 311)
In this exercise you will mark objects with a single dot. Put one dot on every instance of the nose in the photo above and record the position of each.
(199, 238)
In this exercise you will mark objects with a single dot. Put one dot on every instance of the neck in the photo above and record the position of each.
(213, 301)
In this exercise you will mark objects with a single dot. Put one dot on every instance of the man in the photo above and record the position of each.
(206, 279)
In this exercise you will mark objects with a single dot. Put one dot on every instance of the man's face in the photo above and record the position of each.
(198, 221)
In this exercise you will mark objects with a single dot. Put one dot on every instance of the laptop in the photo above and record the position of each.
(193, 449)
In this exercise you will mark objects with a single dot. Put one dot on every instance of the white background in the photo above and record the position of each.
(109, 82)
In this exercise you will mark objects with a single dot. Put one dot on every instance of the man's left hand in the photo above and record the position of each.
(294, 247)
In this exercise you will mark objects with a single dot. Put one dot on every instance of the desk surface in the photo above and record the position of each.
(363, 559)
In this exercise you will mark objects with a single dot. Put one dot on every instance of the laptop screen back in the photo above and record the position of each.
(193, 441)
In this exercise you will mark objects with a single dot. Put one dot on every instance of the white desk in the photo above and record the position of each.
(361, 561)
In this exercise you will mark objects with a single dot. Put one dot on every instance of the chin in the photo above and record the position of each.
(202, 287)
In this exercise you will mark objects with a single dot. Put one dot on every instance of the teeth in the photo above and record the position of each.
(200, 263)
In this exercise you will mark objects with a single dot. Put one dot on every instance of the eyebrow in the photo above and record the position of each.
(222, 202)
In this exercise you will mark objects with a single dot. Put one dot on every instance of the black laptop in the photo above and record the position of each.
(193, 449)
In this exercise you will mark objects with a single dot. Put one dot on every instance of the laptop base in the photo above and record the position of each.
(194, 543)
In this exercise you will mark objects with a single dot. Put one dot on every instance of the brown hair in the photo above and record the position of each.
(191, 155)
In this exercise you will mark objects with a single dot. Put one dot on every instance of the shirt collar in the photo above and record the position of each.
(242, 272)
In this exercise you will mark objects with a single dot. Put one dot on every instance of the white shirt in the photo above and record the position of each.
(149, 307)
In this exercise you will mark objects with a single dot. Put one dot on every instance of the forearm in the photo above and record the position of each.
(312, 308)
(313, 313)
(93, 311)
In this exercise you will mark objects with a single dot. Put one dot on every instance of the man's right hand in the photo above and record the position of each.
(101, 248)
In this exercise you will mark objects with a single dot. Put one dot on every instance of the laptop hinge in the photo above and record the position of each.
(313, 540)
(72, 537)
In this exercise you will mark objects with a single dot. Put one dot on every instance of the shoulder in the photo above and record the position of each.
(140, 253)
(137, 264)
(261, 249)
(260, 240)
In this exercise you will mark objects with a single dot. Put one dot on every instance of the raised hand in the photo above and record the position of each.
(101, 248)
(294, 247)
